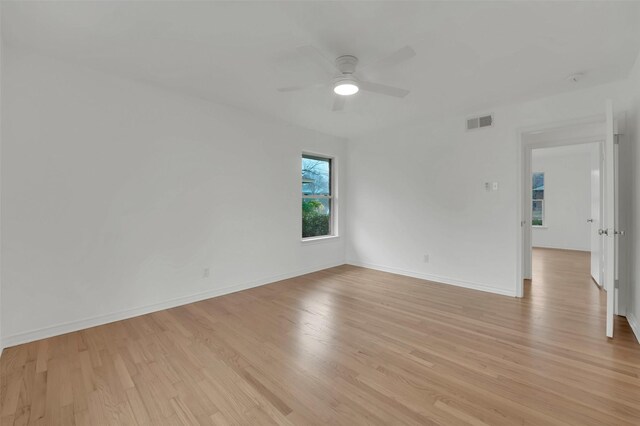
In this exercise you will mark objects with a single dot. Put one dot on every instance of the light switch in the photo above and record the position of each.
(490, 186)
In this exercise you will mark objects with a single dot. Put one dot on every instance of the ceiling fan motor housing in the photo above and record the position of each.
(346, 64)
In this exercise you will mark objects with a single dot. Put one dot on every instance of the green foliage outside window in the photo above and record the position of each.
(315, 220)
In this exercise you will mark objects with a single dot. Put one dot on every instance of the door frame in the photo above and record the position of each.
(600, 277)
(523, 237)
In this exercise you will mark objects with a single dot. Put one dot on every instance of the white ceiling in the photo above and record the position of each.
(470, 55)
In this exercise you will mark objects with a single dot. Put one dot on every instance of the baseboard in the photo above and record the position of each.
(635, 325)
(68, 327)
(436, 278)
(564, 248)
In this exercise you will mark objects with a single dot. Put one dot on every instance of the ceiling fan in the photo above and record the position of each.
(345, 81)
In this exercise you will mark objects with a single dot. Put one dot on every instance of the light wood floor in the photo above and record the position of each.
(343, 346)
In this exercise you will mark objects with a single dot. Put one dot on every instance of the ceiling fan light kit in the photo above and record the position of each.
(346, 86)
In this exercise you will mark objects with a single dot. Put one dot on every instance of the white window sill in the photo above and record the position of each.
(316, 240)
(539, 226)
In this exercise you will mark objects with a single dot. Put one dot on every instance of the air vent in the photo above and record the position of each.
(474, 123)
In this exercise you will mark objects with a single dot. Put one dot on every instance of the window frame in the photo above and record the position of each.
(540, 200)
(332, 197)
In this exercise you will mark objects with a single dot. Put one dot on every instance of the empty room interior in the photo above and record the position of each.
(319, 213)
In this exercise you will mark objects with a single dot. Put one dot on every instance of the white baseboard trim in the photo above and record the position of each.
(588, 250)
(435, 278)
(635, 325)
(68, 327)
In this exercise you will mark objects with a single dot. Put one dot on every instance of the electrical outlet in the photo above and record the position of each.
(425, 259)
(205, 273)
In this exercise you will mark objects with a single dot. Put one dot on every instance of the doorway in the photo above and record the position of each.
(566, 249)
(565, 137)
(566, 208)
(558, 226)
(607, 128)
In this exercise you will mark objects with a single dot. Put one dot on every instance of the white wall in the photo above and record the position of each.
(630, 155)
(1, 55)
(117, 195)
(418, 189)
(567, 172)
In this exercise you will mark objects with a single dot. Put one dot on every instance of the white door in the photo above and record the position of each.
(595, 216)
(608, 230)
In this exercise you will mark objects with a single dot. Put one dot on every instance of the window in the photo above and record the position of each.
(317, 196)
(537, 217)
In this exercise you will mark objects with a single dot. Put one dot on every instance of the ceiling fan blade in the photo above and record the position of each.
(300, 87)
(396, 57)
(383, 89)
(338, 103)
(291, 88)
(314, 54)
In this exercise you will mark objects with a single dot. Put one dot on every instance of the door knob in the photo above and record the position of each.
(621, 233)
(603, 232)
(590, 220)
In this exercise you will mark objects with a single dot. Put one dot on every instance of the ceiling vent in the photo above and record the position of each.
(474, 123)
